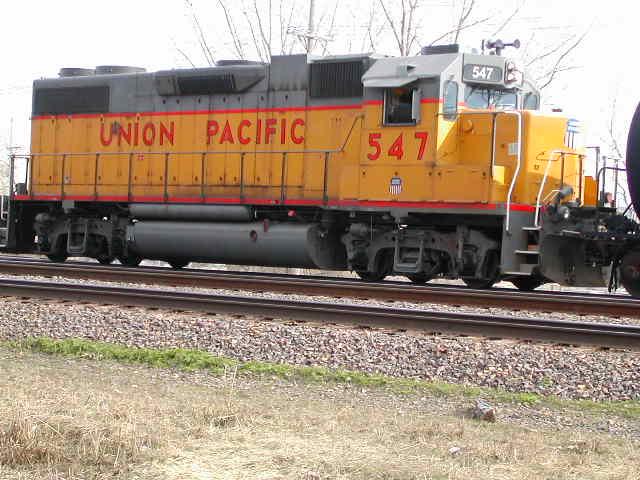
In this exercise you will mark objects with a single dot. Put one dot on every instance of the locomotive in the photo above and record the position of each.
(436, 165)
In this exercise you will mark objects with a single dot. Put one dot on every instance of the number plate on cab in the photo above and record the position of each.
(482, 73)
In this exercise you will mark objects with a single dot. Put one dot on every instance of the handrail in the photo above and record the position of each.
(562, 154)
(169, 155)
(203, 153)
(517, 171)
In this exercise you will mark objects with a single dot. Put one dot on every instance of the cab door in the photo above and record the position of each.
(397, 147)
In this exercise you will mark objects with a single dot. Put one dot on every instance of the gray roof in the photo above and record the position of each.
(396, 72)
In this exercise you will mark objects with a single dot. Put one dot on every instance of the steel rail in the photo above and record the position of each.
(555, 331)
(333, 287)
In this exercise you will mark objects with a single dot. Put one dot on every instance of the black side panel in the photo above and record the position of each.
(336, 79)
(205, 85)
(69, 100)
(633, 160)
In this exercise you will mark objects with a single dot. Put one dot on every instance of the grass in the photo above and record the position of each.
(194, 360)
(71, 418)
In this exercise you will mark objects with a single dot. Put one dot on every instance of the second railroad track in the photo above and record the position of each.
(582, 304)
(475, 324)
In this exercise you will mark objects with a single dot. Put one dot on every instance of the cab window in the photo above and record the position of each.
(490, 99)
(531, 101)
(398, 103)
(450, 101)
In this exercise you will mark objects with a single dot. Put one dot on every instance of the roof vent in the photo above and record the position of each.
(440, 49)
(117, 69)
(76, 72)
(235, 63)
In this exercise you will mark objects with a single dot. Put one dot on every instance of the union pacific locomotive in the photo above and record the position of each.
(438, 165)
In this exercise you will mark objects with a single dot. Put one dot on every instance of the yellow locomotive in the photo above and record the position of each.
(433, 165)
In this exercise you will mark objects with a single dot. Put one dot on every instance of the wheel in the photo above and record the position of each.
(419, 278)
(371, 276)
(57, 257)
(130, 260)
(383, 268)
(491, 269)
(479, 283)
(526, 284)
(630, 273)
(105, 259)
(177, 264)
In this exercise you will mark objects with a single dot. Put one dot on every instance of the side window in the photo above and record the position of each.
(450, 107)
(531, 101)
(398, 106)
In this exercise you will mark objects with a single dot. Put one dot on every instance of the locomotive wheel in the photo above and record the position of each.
(130, 260)
(492, 270)
(57, 257)
(630, 273)
(105, 259)
(178, 264)
(384, 267)
(371, 276)
(479, 283)
(526, 284)
(419, 278)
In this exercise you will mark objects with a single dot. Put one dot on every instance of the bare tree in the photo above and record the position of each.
(208, 55)
(405, 26)
(547, 64)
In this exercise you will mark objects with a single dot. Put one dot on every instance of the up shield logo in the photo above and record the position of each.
(395, 186)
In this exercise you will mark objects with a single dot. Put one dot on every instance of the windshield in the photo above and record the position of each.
(488, 98)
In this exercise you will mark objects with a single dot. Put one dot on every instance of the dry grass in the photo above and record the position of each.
(72, 419)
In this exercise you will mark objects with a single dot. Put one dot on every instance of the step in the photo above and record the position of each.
(526, 270)
(527, 252)
(531, 229)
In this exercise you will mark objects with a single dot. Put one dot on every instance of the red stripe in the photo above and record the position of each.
(292, 202)
(309, 108)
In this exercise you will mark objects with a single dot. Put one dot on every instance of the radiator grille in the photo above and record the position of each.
(204, 85)
(70, 100)
(336, 79)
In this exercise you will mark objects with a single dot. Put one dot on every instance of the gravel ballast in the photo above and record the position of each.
(578, 373)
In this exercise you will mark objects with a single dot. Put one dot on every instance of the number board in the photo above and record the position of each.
(482, 73)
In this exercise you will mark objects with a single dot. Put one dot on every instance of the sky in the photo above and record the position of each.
(40, 37)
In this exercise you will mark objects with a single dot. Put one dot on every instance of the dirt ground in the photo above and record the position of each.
(64, 418)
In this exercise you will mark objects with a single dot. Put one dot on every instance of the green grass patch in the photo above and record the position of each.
(192, 360)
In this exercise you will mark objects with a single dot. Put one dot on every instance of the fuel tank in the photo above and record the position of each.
(268, 244)
(197, 213)
(633, 160)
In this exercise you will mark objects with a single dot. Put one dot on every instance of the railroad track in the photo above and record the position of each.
(606, 305)
(555, 331)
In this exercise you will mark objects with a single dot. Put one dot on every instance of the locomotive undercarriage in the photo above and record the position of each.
(578, 246)
(422, 252)
(373, 245)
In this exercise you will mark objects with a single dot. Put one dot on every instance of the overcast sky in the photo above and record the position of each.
(40, 37)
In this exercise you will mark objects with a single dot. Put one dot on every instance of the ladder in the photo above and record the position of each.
(529, 257)
(4, 220)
